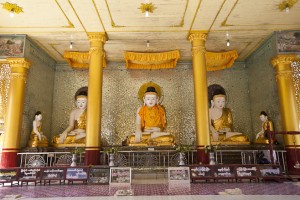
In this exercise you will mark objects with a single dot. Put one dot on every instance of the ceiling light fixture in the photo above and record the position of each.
(11, 14)
(227, 34)
(147, 8)
(148, 43)
(287, 9)
(12, 8)
(71, 45)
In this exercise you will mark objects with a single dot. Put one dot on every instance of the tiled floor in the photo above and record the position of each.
(152, 188)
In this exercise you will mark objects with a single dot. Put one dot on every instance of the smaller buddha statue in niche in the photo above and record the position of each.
(37, 138)
(221, 122)
(75, 133)
(150, 123)
(266, 124)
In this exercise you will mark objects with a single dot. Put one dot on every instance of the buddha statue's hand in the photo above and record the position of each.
(260, 134)
(80, 134)
(224, 130)
(215, 135)
(40, 135)
(138, 135)
(152, 129)
(62, 137)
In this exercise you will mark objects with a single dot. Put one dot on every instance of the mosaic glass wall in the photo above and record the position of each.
(39, 90)
(120, 100)
(263, 93)
(296, 80)
(4, 86)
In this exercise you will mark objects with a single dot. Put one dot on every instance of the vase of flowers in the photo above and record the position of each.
(75, 152)
(211, 150)
(111, 155)
(182, 149)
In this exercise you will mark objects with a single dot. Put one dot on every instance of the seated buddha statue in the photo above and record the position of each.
(150, 123)
(75, 133)
(221, 121)
(37, 138)
(261, 138)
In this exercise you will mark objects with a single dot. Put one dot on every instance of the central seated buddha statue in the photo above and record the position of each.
(150, 123)
(221, 120)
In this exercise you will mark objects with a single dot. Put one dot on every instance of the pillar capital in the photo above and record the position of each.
(198, 38)
(197, 35)
(97, 37)
(97, 41)
(19, 63)
(283, 59)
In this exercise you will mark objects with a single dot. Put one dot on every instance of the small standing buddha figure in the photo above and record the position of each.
(221, 120)
(37, 138)
(267, 124)
(150, 123)
(75, 133)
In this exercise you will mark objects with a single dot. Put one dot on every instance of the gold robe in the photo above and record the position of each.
(264, 139)
(34, 139)
(71, 139)
(225, 121)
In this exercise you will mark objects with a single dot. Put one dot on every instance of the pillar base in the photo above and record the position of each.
(9, 159)
(92, 157)
(292, 155)
(203, 157)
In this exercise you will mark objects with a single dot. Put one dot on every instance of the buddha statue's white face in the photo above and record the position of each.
(219, 102)
(150, 100)
(81, 102)
(39, 117)
(263, 118)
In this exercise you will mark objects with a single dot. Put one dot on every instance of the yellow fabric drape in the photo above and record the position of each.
(218, 61)
(79, 60)
(214, 60)
(163, 60)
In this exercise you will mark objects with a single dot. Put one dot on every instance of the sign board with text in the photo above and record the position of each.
(76, 173)
(202, 172)
(30, 174)
(99, 175)
(120, 175)
(270, 171)
(53, 173)
(224, 171)
(8, 175)
(179, 174)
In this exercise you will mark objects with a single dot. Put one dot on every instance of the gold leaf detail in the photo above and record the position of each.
(11, 7)
(147, 7)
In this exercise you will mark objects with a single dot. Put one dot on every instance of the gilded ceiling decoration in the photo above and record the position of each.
(147, 7)
(79, 60)
(12, 7)
(135, 60)
(286, 4)
(218, 61)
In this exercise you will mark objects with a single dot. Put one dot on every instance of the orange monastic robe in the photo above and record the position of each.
(153, 117)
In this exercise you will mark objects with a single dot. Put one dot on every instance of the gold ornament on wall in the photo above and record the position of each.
(286, 4)
(147, 8)
(12, 7)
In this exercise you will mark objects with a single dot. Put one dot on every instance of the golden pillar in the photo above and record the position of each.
(14, 111)
(200, 93)
(94, 107)
(288, 106)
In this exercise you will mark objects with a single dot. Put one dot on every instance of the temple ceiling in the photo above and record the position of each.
(54, 24)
